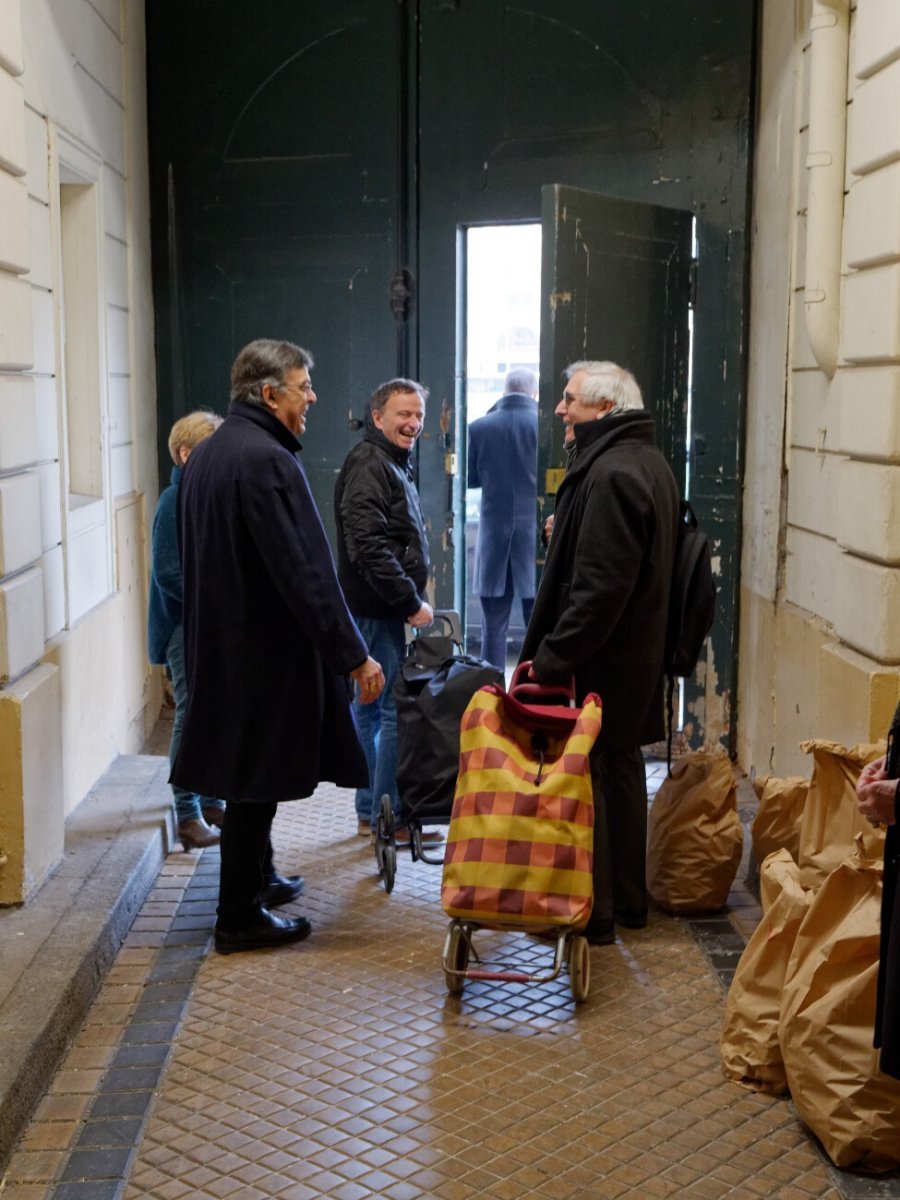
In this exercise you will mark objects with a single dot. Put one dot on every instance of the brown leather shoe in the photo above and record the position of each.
(214, 816)
(196, 834)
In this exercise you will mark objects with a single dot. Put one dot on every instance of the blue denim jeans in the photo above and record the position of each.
(377, 721)
(187, 806)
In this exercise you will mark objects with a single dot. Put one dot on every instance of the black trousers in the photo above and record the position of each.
(620, 836)
(246, 852)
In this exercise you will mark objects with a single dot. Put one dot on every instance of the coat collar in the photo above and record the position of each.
(514, 400)
(175, 477)
(403, 458)
(265, 420)
(592, 438)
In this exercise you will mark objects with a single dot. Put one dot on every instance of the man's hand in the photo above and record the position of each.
(877, 794)
(369, 678)
(425, 616)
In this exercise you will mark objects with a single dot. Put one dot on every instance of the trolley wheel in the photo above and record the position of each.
(385, 846)
(457, 958)
(579, 969)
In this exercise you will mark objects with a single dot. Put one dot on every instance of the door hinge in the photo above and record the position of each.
(692, 284)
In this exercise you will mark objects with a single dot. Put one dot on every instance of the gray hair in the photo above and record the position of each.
(607, 381)
(265, 361)
(382, 394)
(521, 379)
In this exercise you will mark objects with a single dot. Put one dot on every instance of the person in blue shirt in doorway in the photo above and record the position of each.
(503, 463)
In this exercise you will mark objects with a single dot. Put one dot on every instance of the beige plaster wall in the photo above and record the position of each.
(820, 596)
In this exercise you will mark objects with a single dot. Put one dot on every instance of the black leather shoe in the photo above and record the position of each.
(632, 920)
(281, 889)
(599, 933)
(269, 930)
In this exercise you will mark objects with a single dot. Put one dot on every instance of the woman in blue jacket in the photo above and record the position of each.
(199, 817)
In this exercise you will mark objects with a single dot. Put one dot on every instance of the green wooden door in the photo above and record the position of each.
(615, 285)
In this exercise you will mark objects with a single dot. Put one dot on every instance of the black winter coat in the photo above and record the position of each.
(382, 544)
(268, 637)
(887, 1016)
(601, 606)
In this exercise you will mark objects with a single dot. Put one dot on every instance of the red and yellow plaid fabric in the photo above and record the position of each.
(520, 851)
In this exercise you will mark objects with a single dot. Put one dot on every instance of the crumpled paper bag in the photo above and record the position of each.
(751, 1052)
(827, 1021)
(694, 835)
(831, 819)
(777, 822)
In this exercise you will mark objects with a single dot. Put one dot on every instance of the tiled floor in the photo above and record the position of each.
(342, 1068)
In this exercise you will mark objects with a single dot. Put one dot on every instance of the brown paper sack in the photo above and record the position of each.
(827, 1019)
(751, 1053)
(777, 822)
(694, 835)
(831, 818)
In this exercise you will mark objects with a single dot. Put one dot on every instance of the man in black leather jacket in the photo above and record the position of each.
(383, 567)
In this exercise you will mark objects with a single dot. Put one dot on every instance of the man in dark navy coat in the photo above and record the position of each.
(601, 611)
(270, 644)
(503, 463)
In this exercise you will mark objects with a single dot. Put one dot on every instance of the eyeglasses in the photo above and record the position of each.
(306, 386)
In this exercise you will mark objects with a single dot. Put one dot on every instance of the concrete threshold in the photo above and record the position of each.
(56, 949)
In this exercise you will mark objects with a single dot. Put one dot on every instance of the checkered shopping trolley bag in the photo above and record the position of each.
(520, 842)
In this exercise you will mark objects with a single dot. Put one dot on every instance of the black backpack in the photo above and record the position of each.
(692, 607)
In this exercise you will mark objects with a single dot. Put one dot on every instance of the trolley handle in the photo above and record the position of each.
(528, 690)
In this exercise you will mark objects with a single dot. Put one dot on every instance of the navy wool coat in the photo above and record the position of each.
(601, 609)
(503, 463)
(269, 640)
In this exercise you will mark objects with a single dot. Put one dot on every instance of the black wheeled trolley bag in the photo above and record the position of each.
(433, 688)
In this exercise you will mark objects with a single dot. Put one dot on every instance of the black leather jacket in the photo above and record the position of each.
(382, 546)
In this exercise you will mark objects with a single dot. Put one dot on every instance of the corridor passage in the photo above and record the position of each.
(342, 1068)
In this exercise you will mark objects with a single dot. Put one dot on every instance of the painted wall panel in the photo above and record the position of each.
(875, 118)
(870, 412)
(811, 491)
(120, 409)
(87, 571)
(872, 218)
(809, 577)
(114, 204)
(877, 36)
(51, 502)
(867, 607)
(92, 42)
(20, 521)
(815, 411)
(42, 323)
(13, 155)
(47, 427)
(16, 331)
(121, 470)
(37, 153)
(21, 623)
(868, 510)
(41, 268)
(115, 261)
(15, 255)
(52, 568)
(118, 360)
(870, 315)
(11, 56)
(18, 422)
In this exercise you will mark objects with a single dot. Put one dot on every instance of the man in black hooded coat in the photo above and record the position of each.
(600, 614)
